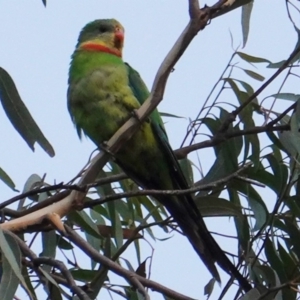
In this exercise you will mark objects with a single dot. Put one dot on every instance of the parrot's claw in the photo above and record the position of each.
(136, 115)
(103, 147)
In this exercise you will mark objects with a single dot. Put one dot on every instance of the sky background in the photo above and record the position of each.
(35, 48)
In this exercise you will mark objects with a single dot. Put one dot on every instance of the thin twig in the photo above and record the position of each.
(221, 138)
(92, 203)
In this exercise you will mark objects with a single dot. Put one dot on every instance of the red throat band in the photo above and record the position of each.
(92, 46)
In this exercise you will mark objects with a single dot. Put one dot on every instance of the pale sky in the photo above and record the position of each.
(36, 45)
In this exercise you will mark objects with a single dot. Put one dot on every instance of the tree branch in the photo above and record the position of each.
(114, 267)
(224, 136)
(92, 203)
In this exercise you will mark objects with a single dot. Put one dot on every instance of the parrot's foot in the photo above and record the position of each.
(103, 147)
(136, 115)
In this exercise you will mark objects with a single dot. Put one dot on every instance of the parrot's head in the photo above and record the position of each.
(105, 34)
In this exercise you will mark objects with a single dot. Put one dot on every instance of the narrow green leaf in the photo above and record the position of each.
(211, 206)
(265, 275)
(13, 257)
(246, 114)
(34, 181)
(133, 294)
(254, 75)
(84, 221)
(242, 226)
(294, 237)
(163, 114)
(27, 278)
(246, 14)
(287, 259)
(186, 167)
(250, 91)
(62, 243)
(116, 223)
(253, 294)
(129, 265)
(252, 59)
(83, 275)
(49, 247)
(6, 179)
(9, 281)
(255, 147)
(280, 170)
(260, 212)
(55, 292)
(275, 261)
(261, 175)
(101, 276)
(209, 287)
(54, 289)
(95, 243)
(276, 65)
(286, 96)
(286, 139)
(19, 115)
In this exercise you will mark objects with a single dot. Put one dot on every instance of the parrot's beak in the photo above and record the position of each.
(119, 37)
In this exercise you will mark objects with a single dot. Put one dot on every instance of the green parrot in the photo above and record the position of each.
(102, 95)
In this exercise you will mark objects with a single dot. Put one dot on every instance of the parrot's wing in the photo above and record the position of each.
(141, 92)
(184, 209)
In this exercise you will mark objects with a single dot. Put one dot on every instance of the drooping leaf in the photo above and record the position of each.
(242, 96)
(100, 277)
(62, 243)
(274, 260)
(286, 96)
(242, 226)
(19, 115)
(6, 179)
(254, 75)
(252, 59)
(83, 275)
(163, 114)
(81, 219)
(211, 206)
(34, 181)
(294, 234)
(11, 251)
(49, 246)
(260, 212)
(209, 287)
(9, 280)
(186, 167)
(116, 223)
(246, 14)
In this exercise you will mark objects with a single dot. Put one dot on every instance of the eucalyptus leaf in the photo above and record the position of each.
(19, 115)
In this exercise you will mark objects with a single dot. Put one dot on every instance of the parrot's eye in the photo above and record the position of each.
(103, 29)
